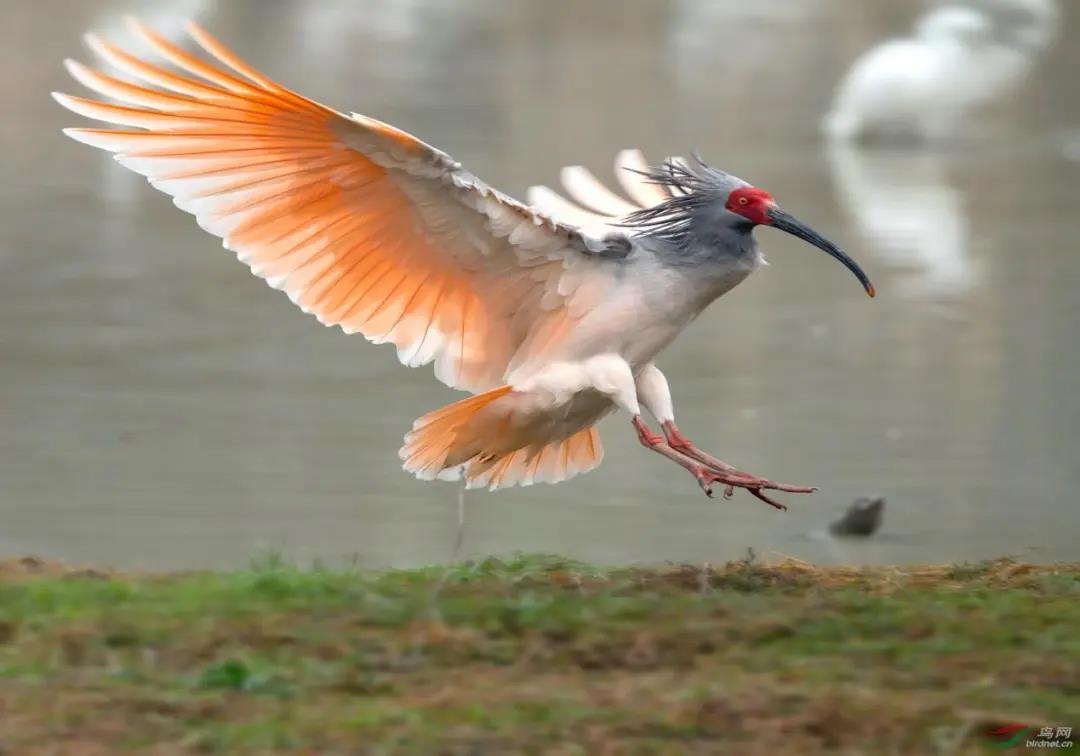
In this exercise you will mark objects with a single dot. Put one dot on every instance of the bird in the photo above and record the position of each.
(549, 325)
(961, 59)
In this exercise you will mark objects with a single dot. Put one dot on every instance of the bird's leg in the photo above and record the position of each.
(682, 444)
(652, 389)
(656, 443)
(705, 475)
(676, 440)
(459, 539)
(679, 448)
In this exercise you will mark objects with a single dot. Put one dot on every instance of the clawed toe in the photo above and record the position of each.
(756, 486)
(771, 502)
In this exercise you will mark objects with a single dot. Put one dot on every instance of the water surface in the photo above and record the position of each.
(161, 408)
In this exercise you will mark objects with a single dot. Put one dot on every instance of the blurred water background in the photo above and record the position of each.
(161, 408)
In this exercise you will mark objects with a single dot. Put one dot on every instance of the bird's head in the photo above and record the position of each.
(955, 24)
(709, 204)
(758, 207)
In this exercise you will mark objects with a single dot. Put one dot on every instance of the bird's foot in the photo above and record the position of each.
(732, 479)
(710, 470)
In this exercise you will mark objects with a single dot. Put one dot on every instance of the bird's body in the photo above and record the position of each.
(569, 378)
(550, 319)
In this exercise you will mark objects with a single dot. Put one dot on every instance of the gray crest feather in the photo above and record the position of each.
(693, 188)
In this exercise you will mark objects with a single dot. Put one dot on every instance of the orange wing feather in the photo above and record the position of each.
(360, 223)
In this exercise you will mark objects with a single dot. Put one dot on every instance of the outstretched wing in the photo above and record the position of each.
(598, 209)
(360, 223)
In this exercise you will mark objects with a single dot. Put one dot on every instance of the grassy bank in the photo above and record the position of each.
(536, 653)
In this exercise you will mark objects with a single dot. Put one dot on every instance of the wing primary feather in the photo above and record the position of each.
(148, 72)
(361, 224)
(189, 62)
(209, 43)
(125, 115)
(586, 189)
(552, 202)
(123, 90)
(629, 165)
(270, 162)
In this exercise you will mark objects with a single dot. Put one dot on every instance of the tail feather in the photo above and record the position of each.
(541, 463)
(451, 440)
(434, 436)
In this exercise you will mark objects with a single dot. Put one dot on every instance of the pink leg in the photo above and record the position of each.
(682, 444)
(678, 441)
(706, 475)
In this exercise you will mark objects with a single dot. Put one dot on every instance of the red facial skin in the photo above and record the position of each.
(751, 203)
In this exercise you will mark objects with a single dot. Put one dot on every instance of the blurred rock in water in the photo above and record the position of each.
(863, 517)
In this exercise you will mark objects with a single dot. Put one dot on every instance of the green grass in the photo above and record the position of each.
(537, 653)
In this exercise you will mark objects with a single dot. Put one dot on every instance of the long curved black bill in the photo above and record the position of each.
(786, 222)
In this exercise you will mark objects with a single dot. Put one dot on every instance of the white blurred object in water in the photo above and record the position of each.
(1072, 148)
(1029, 24)
(907, 210)
(961, 59)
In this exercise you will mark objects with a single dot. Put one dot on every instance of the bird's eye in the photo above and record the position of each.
(743, 200)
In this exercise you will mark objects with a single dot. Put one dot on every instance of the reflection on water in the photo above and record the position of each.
(160, 407)
(908, 213)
